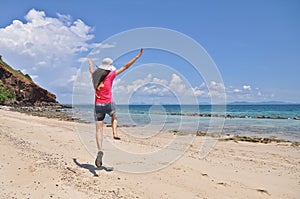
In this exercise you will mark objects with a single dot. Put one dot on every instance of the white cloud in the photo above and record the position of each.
(66, 19)
(197, 92)
(48, 48)
(82, 59)
(160, 81)
(177, 84)
(246, 93)
(73, 78)
(154, 88)
(165, 90)
(216, 90)
(138, 83)
(247, 87)
(43, 35)
(41, 63)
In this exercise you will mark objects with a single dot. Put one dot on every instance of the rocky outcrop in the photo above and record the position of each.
(21, 89)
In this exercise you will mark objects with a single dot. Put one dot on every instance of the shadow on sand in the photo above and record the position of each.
(92, 168)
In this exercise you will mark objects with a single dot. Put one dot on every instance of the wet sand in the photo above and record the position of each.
(45, 158)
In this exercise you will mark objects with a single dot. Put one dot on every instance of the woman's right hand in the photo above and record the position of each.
(140, 53)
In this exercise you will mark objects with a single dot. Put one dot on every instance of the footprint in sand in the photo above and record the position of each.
(223, 183)
(263, 191)
(31, 169)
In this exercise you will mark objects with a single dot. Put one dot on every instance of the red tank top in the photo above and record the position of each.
(103, 95)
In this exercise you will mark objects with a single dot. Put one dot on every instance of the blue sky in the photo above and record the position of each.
(255, 45)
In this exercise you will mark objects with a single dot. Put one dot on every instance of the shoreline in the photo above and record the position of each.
(45, 158)
(60, 112)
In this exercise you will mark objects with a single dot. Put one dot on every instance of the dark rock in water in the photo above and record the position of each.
(21, 90)
(279, 117)
(200, 133)
(261, 117)
(229, 116)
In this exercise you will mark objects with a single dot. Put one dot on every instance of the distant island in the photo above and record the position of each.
(259, 103)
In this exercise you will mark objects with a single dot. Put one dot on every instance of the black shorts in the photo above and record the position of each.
(102, 109)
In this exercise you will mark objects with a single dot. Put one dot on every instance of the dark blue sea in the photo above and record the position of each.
(282, 121)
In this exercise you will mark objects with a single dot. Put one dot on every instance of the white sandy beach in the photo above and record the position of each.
(38, 161)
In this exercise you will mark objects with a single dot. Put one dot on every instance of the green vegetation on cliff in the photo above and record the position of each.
(6, 94)
(16, 72)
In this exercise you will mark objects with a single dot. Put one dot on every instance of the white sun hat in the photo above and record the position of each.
(107, 64)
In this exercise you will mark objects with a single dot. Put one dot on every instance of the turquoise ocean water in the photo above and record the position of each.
(281, 120)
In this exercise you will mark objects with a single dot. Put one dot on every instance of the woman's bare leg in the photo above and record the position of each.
(114, 125)
(99, 134)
